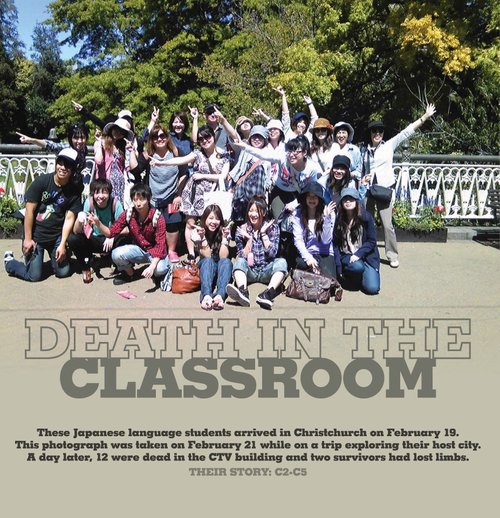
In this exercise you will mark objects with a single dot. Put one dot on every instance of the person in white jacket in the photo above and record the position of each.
(377, 165)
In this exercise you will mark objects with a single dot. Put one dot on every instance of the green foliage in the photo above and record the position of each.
(357, 59)
(427, 219)
(8, 224)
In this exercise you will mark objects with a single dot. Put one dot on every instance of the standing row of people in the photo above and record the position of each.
(310, 176)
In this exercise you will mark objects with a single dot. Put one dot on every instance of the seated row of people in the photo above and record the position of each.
(345, 249)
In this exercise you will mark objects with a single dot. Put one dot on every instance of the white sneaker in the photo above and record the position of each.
(394, 263)
(8, 256)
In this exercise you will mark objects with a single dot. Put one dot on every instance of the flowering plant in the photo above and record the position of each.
(429, 216)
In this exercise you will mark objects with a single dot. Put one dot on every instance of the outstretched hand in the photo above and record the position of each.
(430, 110)
(280, 90)
(265, 226)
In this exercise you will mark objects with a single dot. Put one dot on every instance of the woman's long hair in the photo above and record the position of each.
(343, 225)
(335, 185)
(318, 216)
(214, 239)
(261, 205)
(151, 147)
(316, 145)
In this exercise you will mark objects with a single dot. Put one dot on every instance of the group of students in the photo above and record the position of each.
(300, 193)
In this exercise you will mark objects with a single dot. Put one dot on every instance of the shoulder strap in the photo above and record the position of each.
(250, 170)
(320, 162)
(91, 203)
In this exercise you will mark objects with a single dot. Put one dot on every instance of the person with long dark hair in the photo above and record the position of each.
(337, 179)
(322, 151)
(313, 232)
(356, 239)
(211, 240)
(257, 243)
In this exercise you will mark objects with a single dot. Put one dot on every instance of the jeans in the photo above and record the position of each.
(361, 275)
(31, 270)
(261, 274)
(127, 255)
(212, 270)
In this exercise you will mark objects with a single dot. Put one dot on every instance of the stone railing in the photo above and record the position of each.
(458, 183)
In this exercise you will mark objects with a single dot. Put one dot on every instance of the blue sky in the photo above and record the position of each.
(31, 12)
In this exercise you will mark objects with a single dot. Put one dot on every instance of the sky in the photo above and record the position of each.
(31, 12)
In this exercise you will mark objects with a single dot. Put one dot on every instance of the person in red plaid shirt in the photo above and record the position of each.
(147, 231)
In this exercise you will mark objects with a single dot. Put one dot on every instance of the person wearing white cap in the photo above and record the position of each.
(52, 204)
(343, 134)
(112, 157)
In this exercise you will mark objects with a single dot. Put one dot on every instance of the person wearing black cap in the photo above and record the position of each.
(337, 179)
(212, 118)
(343, 134)
(52, 204)
(312, 226)
(356, 239)
(377, 163)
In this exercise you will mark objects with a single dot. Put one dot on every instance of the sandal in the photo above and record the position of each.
(206, 303)
(218, 303)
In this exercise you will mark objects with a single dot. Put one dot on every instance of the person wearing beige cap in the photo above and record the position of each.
(321, 145)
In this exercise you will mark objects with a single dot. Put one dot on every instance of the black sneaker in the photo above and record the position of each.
(123, 278)
(265, 299)
(239, 295)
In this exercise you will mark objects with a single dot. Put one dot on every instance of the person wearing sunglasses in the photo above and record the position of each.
(377, 170)
(160, 162)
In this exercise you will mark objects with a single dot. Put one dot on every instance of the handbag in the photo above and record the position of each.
(220, 197)
(312, 287)
(380, 193)
(185, 277)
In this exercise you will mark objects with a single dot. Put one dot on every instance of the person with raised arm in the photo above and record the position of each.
(377, 163)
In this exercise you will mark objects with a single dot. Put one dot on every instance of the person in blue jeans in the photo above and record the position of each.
(356, 238)
(257, 244)
(52, 203)
(211, 240)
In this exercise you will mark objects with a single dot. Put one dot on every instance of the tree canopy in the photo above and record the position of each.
(357, 60)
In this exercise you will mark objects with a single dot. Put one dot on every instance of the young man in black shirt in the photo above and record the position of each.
(52, 203)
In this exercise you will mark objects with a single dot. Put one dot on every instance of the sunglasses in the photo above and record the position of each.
(205, 139)
(160, 136)
(377, 130)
